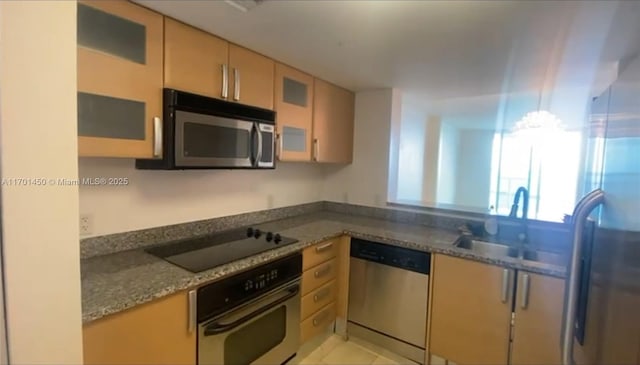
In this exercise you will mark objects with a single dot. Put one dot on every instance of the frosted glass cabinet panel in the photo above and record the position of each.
(294, 106)
(119, 79)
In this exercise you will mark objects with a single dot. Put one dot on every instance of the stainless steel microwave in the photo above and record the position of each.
(199, 132)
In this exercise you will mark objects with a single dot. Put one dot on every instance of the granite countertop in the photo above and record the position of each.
(115, 282)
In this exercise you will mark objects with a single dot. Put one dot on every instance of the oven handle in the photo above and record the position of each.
(218, 327)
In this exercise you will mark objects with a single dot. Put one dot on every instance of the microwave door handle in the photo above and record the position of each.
(259, 154)
(218, 327)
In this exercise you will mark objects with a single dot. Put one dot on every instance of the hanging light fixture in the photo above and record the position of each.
(537, 125)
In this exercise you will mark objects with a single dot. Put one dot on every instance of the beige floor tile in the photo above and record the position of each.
(349, 354)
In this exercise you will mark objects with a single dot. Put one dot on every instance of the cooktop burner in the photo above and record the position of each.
(207, 252)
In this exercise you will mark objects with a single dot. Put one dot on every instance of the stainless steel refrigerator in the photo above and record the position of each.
(602, 303)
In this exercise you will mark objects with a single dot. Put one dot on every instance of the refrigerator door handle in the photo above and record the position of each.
(579, 219)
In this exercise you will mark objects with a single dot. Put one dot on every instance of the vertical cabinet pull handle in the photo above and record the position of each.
(505, 285)
(279, 148)
(525, 291)
(191, 326)
(157, 137)
(316, 149)
(236, 86)
(225, 81)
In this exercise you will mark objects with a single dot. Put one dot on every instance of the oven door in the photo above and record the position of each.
(263, 331)
(211, 141)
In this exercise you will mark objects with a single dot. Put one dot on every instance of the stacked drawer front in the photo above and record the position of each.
(319, 288)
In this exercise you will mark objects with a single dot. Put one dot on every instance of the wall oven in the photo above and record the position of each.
(199, 132)
(252, 317)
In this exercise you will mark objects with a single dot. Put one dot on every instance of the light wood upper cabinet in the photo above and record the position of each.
(333, 118)
(153, 333)
(194, 60)
(251, 77)
(294, 107)
(119, 78)
(538, 320)
(471, 311)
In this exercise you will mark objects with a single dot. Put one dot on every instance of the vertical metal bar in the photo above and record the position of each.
(225, 81)
(579, 218)
(191, 325)
(505, 285)
(157, 137)
(525, 291)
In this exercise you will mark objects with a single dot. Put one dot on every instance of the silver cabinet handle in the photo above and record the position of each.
(316, 150)
(321, 294)
(225, 81)
(157, 137)
(322, 272)
(324, 247)
(191, 326)
(525, 291)
(259, 156)
(317, 320)
(505, 285)
(236, 86)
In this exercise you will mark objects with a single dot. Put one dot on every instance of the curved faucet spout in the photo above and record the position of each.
(522, 191)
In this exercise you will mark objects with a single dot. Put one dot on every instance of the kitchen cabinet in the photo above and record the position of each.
(119, 79)
(251, 77)
(538, 320)
(323, 286)
(195, 61)
(201, 63)
(471, 311)
(153, 333)
(333, 118)
(294, 106)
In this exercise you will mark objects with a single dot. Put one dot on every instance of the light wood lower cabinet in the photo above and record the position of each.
(471, 313)
(153, 333)
(538, 320)
(318, 322)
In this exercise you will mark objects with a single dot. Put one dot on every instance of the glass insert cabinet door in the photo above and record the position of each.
(119, 79)
(294, 106)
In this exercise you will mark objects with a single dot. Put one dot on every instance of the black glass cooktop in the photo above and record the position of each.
(207, 252)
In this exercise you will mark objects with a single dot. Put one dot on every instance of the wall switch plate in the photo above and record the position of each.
(86, 224)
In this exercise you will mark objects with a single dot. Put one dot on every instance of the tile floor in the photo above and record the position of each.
(335, 351)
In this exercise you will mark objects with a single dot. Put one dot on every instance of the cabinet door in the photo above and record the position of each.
(471, 311)
(119, 78)
(250, 77)
(194, 60)
(332, 123)
(154, 333)
(538, 320)
(294, 104)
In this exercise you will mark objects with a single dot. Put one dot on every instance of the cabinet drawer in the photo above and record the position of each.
(317, 322)
(318, 299)
(318, 275)
(319, 253)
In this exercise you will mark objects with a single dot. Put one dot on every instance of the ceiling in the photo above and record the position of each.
(432, 50)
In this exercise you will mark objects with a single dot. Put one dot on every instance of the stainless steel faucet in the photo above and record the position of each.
(522, 191)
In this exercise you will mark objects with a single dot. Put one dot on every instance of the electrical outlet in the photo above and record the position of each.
(86, 224)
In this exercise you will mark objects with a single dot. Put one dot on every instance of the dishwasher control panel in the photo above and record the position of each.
(399, 257)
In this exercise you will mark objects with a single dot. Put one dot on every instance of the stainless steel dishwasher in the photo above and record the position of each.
(388, 289)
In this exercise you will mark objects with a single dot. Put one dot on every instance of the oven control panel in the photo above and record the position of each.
(261, 281)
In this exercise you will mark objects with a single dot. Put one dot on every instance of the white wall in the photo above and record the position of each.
(365, 181)
(411, 154)
(158, 198)
(473, 172)
(38, 137)
(447, 164)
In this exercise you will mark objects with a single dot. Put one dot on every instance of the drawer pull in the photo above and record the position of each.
(317, 320)
(322, 272)
(321, 294)
(324, 247)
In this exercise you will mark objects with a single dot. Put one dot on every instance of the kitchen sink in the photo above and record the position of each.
(545, 257)
(486, 248)
(503, 250)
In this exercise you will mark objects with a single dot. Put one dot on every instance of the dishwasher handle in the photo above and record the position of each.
(218, 326)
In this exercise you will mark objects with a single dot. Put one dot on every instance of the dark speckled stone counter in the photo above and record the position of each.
(122, 280)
